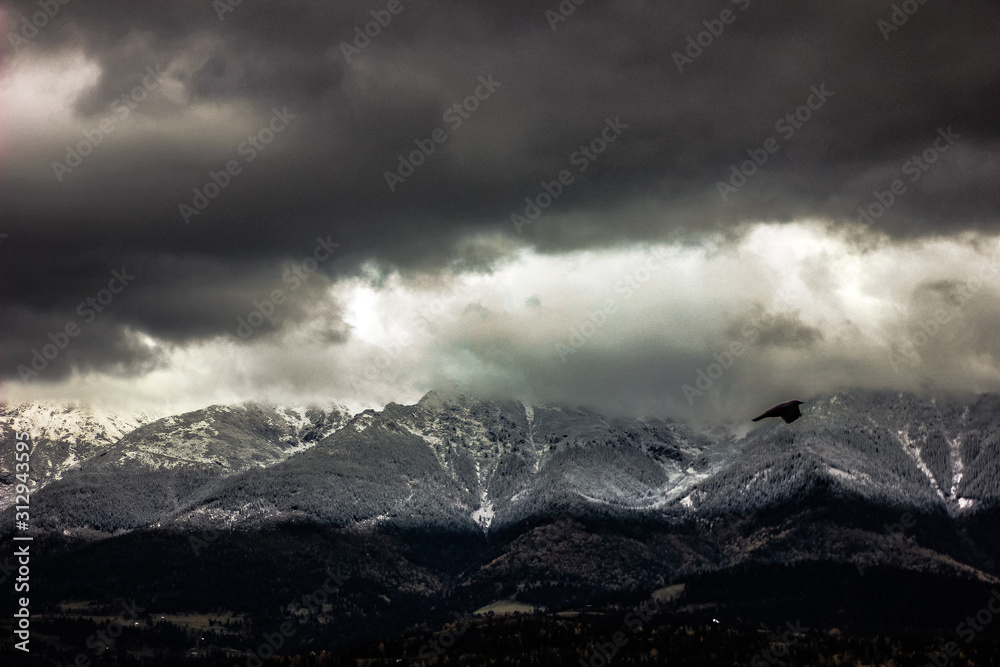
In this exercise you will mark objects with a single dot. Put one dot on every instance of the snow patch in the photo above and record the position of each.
(957, 465)
(295, 417)
(484, 515)
(363, 421)
(914, 453)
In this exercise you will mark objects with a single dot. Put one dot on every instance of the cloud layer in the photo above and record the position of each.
(687, 331)
(207, 154)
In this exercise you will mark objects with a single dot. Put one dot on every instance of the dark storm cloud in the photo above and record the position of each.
(324, 173)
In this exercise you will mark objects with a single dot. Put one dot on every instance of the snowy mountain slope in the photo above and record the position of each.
(62, 436)
(159, 468)
(479, 500)
(891, 449)
(526, 458)
(487, 466)
(233, 438)
(405, 464)
(472, 465)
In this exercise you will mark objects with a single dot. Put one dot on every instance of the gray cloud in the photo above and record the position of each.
(324, 173)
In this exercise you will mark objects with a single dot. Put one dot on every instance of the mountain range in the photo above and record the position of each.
(456, 502)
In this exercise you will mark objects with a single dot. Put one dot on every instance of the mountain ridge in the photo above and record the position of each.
(485, 454)
(454, 503)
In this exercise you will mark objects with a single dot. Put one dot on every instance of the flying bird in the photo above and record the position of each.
(788, 411)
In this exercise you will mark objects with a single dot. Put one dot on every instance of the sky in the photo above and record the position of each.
(677, 209)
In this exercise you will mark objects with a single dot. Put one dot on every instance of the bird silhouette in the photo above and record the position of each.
(788, 411)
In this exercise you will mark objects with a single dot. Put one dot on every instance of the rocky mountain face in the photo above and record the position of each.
(451, 460)
(466, 464)
(109, 473)
(892, 450)
(63, 437)
(455, 502)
